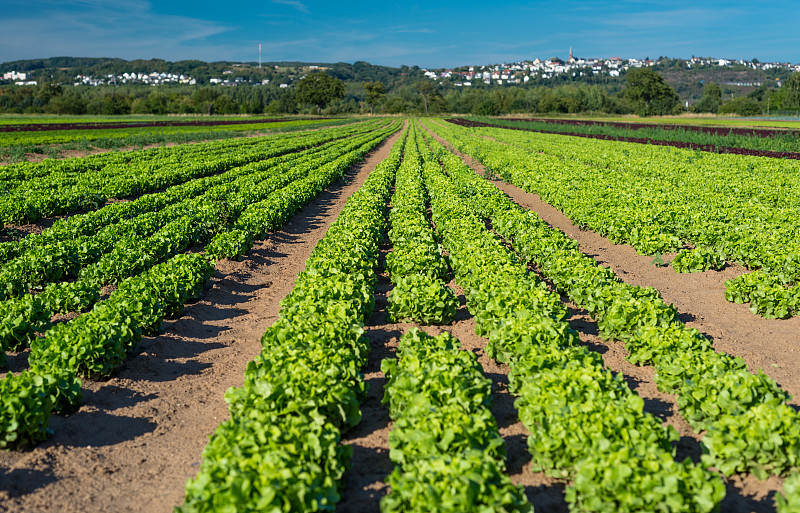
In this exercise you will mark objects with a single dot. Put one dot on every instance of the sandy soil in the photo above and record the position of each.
(771, 345)
(139, 436)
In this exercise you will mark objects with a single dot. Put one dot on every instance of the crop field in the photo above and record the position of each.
(21, 140)
(401, 316)
(736, 140)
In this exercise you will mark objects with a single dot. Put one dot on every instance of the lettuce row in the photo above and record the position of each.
(28, 399)
(445, 443)
(789, 500)
(768, 294)
(93, 345)
(585, 422)
(280, 451)
(73, 243)
(416, 266)
(718, 203)
(59, 193)
(91, 223)
(140, 243)
(715, 391)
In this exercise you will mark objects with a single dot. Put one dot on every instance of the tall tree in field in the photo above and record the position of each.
(426, 90)
(649, 94)
(375, 93)
(791, 92)
(711, 100)
(319, 89)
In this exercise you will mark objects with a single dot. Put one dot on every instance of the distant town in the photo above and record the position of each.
(490, 74)
(524, 71)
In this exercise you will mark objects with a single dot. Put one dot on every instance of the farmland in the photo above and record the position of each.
(400, 316)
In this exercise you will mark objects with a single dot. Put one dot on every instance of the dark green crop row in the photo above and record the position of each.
(416, 266)
(748, 425)
(585, 423)
(90, 223)
(729, 207)
(280, 451)
(12, 175)
(445, 444)
(777, 140)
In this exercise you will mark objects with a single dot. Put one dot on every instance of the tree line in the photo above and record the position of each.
(643, 92)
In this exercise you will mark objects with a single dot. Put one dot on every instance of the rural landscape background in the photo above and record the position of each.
(305, 256)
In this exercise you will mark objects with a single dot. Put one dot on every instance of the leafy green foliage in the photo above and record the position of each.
(27, 400)
(697, 260)
(763, 440)
(707, 400)
(96, 343)
(25, 410)
(609, 483)
(419, 298)
(585, 422)
(21, 318)
(445, 443)
(648, 93)
(232, 244)
(789, 500)
(68, 297)
(715, 391)
(269, 463)
(319, 89)
(731, 207)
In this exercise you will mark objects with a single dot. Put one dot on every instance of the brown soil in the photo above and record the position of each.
(771, 345)
(139, 436)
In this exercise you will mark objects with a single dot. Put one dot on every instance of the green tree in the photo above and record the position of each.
(203, 99)
(375, 93)
(711, 99)
(791, 92)
(319, 89)
(742, 106)
(47, 91)
(427, 90)
(649, 94)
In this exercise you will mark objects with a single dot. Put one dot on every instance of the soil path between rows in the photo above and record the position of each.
(771, 345)
(139, 436)
(366, 481)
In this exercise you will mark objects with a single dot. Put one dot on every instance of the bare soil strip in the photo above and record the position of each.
(772, 345)
(139, 436)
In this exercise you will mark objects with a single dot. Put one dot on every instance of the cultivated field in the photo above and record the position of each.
(393, 315)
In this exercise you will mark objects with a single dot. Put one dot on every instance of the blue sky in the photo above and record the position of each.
(428, 34)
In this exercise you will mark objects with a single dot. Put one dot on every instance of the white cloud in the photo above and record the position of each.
(293, 3)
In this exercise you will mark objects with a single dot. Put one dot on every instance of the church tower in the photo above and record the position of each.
(571, 58)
